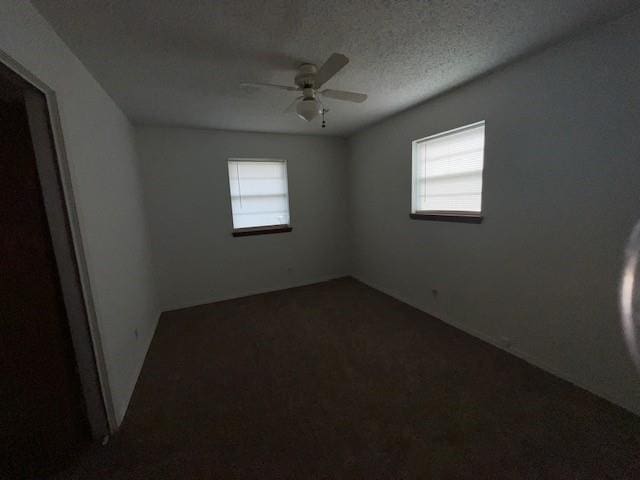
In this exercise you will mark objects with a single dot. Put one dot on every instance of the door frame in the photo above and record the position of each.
(62, 216)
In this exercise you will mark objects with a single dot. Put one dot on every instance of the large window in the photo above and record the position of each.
(447, 173)
(259, 194)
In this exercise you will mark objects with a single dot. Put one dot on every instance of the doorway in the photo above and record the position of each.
(44, 421)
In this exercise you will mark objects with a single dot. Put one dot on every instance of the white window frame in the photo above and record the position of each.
(415, 213)
(284, 227)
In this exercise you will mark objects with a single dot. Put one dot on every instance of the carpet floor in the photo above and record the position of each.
(339, 381)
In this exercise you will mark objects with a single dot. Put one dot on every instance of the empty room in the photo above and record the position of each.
(295, 239)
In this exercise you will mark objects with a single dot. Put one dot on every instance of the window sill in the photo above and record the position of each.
(245, 232)
(461, 217)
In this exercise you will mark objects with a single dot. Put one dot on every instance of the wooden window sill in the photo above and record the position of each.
(461, 217)
(245, 232)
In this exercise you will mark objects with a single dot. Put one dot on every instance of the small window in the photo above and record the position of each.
(447, 173)
(259, 195)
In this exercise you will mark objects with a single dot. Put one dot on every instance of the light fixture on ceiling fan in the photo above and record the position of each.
(308, 81)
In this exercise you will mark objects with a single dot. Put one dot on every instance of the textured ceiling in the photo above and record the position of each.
(180, 62)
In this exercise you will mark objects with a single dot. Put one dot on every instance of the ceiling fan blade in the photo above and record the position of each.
(269, 85)
(292, 107)
(332, 66)
(342, 95)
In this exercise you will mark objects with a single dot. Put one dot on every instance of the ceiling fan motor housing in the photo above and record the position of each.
(306, 76)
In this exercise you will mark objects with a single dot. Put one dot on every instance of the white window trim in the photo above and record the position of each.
(414, 189)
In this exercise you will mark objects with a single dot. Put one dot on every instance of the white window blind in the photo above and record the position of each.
(259, 193)
(447, 171)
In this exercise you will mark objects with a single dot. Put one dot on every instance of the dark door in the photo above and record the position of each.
(42, 416)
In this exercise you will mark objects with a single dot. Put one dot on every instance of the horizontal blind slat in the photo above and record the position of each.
(454, 203)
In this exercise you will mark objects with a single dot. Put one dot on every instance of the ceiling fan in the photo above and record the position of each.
(308, 81)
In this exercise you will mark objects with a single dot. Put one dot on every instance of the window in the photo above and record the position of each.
(259, 196)
(447, 174)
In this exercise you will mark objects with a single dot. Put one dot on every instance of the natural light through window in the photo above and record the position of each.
(447, 172)
(259, 193)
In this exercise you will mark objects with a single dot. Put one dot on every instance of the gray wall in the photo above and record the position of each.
(103, 166)
(187, 188)
(561, 193)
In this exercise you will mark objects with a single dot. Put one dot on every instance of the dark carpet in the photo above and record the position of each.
(337, 380)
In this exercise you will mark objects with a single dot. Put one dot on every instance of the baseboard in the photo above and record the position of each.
(136, 377)
(530, 359)
(257, 291)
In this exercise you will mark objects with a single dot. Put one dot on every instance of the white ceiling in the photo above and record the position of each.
(179, 62)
